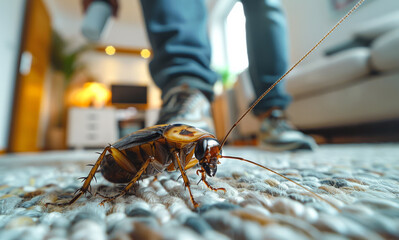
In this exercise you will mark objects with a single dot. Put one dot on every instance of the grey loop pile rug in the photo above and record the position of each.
(361, 180)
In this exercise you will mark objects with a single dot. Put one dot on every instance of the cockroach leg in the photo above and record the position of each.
(86, 183)
(122, 159)
(154, 179)
(129, 185)
(82, 178)
(185, 178)
(191, 163)
(203, 178)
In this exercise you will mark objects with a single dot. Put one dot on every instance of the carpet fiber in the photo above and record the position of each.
(361, 180)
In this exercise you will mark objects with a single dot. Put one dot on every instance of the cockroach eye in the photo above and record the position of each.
(201, 148)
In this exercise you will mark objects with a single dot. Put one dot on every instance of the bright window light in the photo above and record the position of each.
(236, 43)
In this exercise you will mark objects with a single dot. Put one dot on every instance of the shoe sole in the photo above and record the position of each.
(295, 146)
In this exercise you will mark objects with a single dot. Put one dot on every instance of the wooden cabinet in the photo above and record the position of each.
(29, 91)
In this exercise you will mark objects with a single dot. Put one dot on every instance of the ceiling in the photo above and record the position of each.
(126, 30)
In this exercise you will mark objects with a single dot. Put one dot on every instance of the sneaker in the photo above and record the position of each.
(188, 106)
(276, 134)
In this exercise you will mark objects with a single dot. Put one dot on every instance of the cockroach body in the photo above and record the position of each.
(150, 151)
(153, 150)
(171, 147)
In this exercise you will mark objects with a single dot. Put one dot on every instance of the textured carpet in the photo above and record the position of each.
(362, 180)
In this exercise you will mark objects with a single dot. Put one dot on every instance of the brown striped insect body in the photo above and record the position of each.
(162, 142)
(153, 150)
(171, 147)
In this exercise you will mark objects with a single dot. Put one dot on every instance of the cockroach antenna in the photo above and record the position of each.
(289, 70)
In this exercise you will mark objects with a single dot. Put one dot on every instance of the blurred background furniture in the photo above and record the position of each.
(356, 85)
(91, 127)
(342, 88)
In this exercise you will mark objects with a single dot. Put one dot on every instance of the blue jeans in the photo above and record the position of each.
(177, 30)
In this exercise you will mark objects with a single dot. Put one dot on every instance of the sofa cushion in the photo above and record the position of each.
(373, 99)
(345, 46)
(329, 72)
(384, 54)
(376, 27)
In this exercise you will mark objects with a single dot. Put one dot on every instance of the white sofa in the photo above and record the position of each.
(357, 85)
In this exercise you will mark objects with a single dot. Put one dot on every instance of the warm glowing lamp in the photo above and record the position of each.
(92, 94)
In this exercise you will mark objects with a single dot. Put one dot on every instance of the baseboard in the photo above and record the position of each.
(383, 131)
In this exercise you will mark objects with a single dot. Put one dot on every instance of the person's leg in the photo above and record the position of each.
(268, 60)
(177, 30)
(267, 46)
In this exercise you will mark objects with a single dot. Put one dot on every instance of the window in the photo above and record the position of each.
(236, 44)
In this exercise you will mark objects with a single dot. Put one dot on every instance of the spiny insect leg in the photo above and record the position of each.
(122, 160)
(185, 178)
(86, 183)
(155, 179)
(89, 190)
(129, 185)
(203, 178)
(82, 178)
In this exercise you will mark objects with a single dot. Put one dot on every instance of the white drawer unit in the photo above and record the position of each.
(91, 127)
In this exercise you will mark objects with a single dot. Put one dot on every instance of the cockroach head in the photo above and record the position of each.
(208, 152)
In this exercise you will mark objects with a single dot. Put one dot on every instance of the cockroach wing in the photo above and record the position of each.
(139, 137)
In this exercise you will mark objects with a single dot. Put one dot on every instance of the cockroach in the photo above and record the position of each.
(171, 147)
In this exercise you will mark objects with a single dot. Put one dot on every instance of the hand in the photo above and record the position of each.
(114, 5)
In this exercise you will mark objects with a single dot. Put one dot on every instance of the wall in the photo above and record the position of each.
(11, 20)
